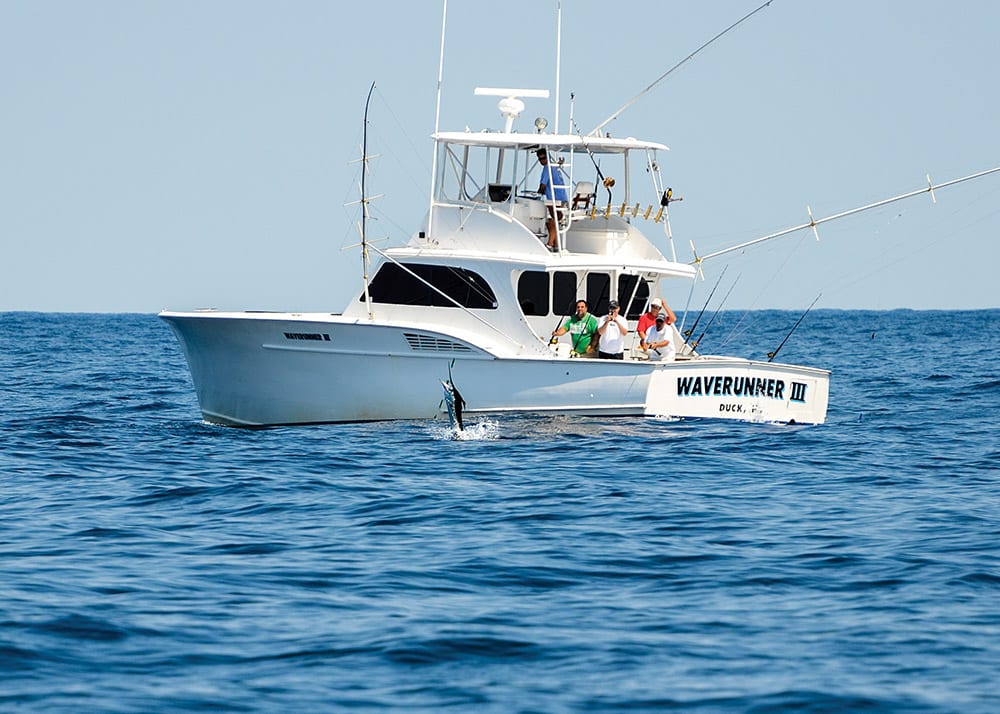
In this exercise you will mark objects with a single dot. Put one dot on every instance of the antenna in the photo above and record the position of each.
(365, 200)
(555, 121)
(437, 122)
(510, 105)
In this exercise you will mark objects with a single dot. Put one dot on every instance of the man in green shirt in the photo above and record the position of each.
(582, 327)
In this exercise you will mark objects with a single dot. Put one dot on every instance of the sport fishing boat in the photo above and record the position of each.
(474, 296)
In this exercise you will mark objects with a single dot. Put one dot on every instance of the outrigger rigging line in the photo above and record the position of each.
(663, 76)
(813, 222)
(694, 345)
(606, 181)
(689, 332)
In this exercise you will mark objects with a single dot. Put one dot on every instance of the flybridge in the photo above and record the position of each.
(556, 142)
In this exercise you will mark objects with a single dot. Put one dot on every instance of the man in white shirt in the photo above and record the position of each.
(660, 340)
(612, 329)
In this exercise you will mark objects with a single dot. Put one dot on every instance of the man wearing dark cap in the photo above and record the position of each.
(660, 340)
(553, 187)
(646, 319)
(612, 329)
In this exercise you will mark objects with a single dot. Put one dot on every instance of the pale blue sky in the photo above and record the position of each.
(190, 154)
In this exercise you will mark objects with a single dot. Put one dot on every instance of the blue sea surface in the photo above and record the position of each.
(150, 562)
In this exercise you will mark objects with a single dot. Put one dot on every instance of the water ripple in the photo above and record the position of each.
(155, 562)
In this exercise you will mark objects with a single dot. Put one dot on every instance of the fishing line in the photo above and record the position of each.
(572, 309)
(420, 155)
(470, 282)
(666, 74)
(688, 333)
(606, 182)
(697, 342)
(764, 288)
(902, 256)
(687, 304)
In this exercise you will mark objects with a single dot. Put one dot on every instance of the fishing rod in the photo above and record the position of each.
(697, 342)
(687, 306)
(772, 355)
(562, 318)
(608, 183)
(684, 61)
(688, 333)
(571, 309)
(595, 338)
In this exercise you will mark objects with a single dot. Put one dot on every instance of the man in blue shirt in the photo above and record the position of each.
(553, 186)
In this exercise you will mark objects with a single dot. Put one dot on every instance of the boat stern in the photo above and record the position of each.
(741, 390)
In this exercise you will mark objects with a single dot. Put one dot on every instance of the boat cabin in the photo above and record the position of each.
(481, 255)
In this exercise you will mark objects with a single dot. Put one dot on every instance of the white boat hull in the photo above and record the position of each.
(251, 369)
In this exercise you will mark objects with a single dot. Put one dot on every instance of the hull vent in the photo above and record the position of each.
(428, 343)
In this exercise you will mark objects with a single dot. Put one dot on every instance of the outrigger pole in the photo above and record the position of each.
(813, 222)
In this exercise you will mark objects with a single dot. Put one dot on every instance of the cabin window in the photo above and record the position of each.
(533, 292)
(564, 295)
(632, 295)
(499, 192)
(598, 292)
(396, 285)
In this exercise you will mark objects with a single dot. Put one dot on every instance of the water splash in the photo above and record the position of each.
(488, 430)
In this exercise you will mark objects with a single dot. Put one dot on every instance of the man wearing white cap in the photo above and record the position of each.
(646, 319)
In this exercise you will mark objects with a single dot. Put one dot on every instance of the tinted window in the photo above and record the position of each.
(564, 293)
(598, 292)
(397, 286)
(533, 292)
(628, 290)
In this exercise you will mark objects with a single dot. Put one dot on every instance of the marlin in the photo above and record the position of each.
(455, 403)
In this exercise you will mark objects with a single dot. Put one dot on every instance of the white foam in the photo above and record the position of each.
(480, 431)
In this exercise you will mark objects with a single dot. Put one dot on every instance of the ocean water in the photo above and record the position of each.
(152, 562)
